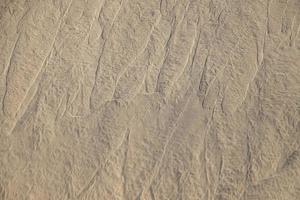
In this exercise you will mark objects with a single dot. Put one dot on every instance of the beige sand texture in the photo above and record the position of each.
(149, 100)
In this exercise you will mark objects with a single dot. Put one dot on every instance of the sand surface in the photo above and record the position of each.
(149, 99)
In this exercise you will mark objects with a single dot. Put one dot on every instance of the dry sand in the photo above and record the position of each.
(149, 99)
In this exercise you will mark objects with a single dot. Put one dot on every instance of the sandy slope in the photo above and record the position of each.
(150, 99)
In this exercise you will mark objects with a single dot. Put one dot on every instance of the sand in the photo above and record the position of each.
(149, 99)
